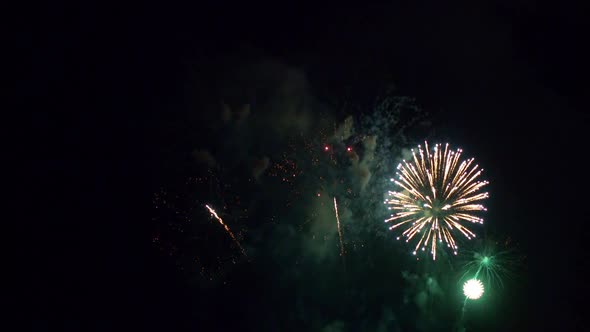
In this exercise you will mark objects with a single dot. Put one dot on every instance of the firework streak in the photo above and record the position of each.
(339, 230)
(214, 214)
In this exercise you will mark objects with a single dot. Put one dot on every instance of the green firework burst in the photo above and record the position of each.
(491, 261)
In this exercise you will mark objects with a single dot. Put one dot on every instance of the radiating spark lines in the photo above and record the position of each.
(438, 193)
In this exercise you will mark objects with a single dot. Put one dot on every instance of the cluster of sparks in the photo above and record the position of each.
(438, 193)
(473, 289)
(214, 214)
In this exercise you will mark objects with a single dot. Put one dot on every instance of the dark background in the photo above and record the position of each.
(510, 79)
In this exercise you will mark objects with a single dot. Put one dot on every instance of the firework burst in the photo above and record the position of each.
(473, 289)
(438, 194)
(492, 261)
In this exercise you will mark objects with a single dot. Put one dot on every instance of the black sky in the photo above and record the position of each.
(506, 80)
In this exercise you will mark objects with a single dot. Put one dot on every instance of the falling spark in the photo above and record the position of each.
(339, 230)
(214, 214)
(438, 193)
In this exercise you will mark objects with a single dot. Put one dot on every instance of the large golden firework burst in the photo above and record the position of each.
(438, 194)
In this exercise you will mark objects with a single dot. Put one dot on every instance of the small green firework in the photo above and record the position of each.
(491, 261)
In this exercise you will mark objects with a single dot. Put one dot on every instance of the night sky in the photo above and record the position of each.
(145, 113)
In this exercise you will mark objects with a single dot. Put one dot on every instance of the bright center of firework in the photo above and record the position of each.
(437, 196)
(473, 289)
(485, 260)
(438, 209)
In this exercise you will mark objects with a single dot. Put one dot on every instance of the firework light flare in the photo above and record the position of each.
(439, 192)
(214, 214)
(339, 230)
(473, 289)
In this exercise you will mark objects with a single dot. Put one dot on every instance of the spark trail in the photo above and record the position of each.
(339, 230)
(214, 214)
(467, 297)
